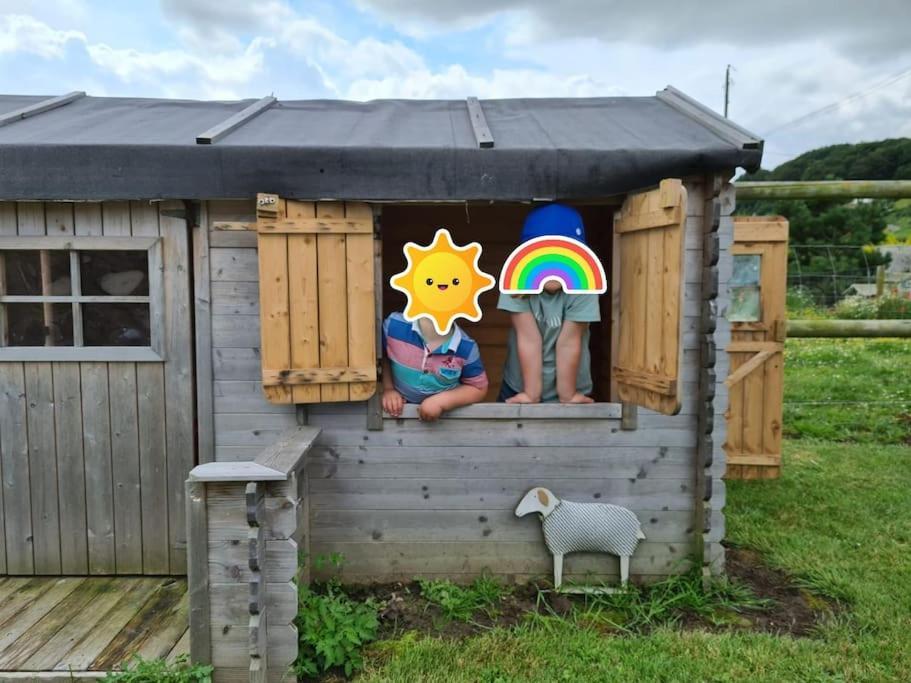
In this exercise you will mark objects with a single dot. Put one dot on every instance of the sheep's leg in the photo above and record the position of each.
(624, 570)
(558, 570)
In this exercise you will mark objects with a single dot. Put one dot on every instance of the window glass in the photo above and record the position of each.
(25, 324)
(116, 324)
(745, 303)
(60, 273)
(23, 272)
(115, 273)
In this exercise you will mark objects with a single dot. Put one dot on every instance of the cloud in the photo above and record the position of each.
(21, 33)
(867, 30)
(454, 82)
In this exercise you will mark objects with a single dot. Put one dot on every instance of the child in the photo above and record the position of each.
(547, 356)
(439, 372)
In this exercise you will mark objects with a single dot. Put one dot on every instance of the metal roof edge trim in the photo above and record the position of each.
(39, 107)
(724, 128)
(229, 125)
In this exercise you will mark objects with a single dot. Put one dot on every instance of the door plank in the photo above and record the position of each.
(14, 462)
(125, 468)
(99, 482)
(70, 468)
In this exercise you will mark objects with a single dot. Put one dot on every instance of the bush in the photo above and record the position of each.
(894, 308)
(332, 628)
(855, 308)
(141, 670)
(801, 305)
(885, 308)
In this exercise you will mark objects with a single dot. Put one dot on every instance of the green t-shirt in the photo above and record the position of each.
(550, 310)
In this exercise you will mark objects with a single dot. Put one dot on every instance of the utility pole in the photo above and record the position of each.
(727, 89)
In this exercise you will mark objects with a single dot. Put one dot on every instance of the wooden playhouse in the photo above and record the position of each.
(199, 285)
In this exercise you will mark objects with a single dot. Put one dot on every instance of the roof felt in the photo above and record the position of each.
(119, 148)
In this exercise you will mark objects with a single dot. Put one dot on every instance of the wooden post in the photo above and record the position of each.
(629, 416)
(198, 571)
(880, 281)
(849, 328)
(243, 518)
(824, 189)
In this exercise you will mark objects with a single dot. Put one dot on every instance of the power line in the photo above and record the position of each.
(850, 98)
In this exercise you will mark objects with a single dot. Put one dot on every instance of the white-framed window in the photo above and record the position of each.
(81, 298)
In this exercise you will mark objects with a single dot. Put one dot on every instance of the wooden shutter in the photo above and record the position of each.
(316, 295)
(649, 254)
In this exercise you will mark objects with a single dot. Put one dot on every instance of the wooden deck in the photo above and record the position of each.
(83, 625)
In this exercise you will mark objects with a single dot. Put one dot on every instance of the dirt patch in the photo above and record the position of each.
(792, 610)
(404, 609)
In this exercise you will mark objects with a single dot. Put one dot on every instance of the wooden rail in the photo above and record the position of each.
(824, 189)
(849, 328)
(243, 520)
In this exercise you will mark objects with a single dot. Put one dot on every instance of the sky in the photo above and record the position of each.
(852, 60)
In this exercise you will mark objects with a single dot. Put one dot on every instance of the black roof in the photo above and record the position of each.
(79, 147)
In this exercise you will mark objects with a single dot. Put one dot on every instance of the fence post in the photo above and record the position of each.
(242, 519)
(880, 281)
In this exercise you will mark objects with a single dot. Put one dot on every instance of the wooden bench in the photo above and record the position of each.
(242, 557)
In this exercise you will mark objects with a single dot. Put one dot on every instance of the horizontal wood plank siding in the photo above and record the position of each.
(437, 499)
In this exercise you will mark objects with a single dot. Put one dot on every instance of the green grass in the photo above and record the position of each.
(839, 521)
(843, 371)
(463, 603)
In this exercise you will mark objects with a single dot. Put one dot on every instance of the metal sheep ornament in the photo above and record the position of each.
(583, 527)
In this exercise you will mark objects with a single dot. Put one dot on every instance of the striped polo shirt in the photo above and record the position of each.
(418, 372)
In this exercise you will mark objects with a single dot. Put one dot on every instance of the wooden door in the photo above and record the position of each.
(757, 316)
(96, 441)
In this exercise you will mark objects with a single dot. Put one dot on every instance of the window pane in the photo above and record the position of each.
(115, 273)
(23, 272)
(60, 273)
(746, 269)
(745, 305)
(116, 325)
(63, 324)
(25, 324)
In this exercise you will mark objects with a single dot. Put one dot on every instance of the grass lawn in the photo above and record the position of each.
(844, 371)
(839, 521)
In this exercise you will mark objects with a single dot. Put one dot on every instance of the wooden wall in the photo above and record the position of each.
(93, 456)
(438, 499)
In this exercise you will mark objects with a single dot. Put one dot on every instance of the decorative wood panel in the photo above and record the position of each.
(650, 243)
(316, 293)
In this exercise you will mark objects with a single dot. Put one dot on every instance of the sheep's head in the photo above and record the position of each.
(538, 499)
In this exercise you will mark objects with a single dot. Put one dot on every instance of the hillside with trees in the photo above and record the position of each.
(823, 231)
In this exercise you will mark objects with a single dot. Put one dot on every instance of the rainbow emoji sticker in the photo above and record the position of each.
(542, 259)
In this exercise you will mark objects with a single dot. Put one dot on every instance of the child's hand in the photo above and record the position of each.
(522, 397)
(393, 402)
(431, 408)
(577, 398)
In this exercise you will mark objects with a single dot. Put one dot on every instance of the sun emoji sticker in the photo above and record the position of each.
(442, 281)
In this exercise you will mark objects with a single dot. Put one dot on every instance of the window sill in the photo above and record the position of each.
(532, 411)
(103, 354)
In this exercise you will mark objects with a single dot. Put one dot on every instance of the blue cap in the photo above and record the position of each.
(553, 220)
